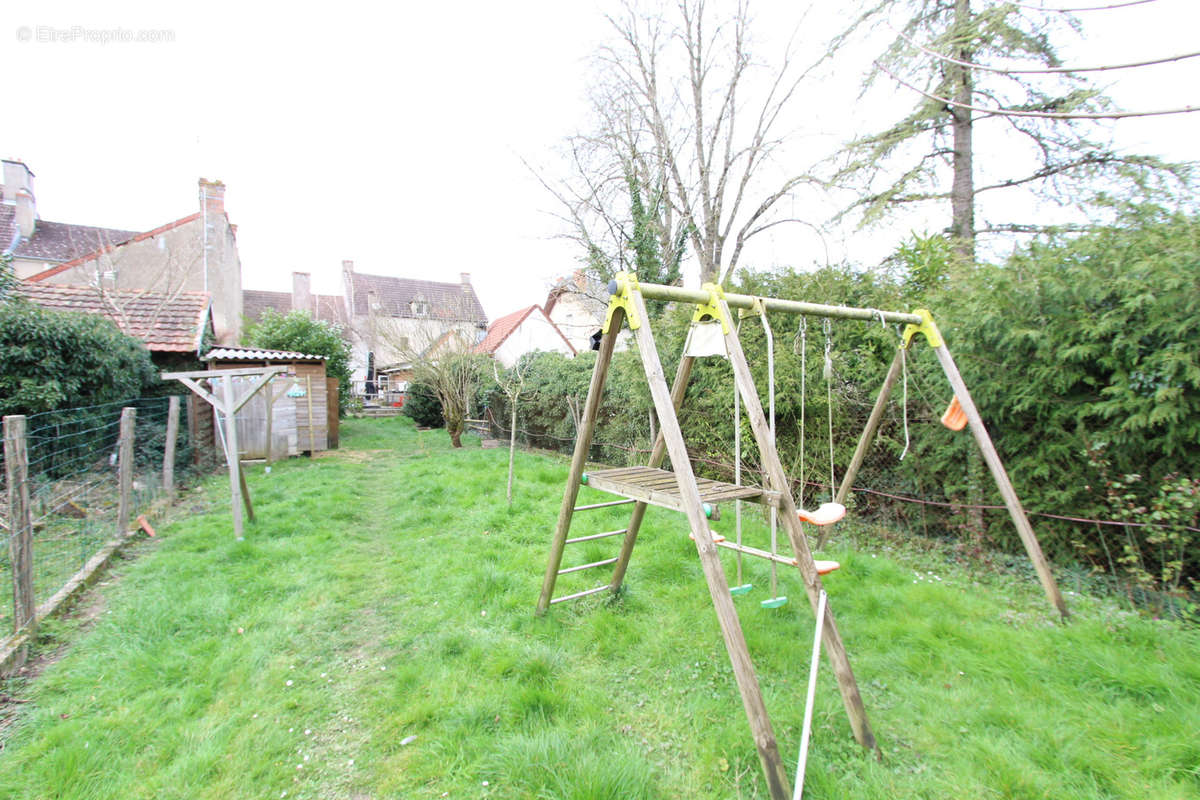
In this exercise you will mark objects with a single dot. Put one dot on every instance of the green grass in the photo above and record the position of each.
(386, 592)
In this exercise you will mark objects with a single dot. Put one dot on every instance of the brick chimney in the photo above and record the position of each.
(212, 197)
(18, 192)
(465, 278)
(302, 299)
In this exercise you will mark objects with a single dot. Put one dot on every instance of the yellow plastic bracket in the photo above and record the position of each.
(928, 328)
(626, 283)
(713, 307)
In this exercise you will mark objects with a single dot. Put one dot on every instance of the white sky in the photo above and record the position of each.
(394, 134)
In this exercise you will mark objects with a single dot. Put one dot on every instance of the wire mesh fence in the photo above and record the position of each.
(72, 481)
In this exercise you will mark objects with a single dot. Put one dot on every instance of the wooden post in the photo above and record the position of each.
(683, 375)
(583, 443)
(193, 423)
(777, 480)
(308, 395)
(168, 479)
(270, 389)
(232, 456)
(20, 520)
(1024, 529)
(866, 439)
(778, 786)
(245, 490)
(332, 394)
(125, 469)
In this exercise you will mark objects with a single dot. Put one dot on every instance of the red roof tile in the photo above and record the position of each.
(165, 323)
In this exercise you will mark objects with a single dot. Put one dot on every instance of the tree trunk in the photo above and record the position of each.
(962, 191)
(512, 446)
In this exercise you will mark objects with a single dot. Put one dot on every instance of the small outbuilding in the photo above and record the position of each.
(296, 411)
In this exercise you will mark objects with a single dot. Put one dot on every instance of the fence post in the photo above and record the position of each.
(125, 468)
(20, 519)
(168, 478)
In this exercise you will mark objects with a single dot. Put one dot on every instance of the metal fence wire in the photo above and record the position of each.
(73, 486)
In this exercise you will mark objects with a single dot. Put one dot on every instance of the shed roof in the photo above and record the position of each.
(166, 323)
(236, 353)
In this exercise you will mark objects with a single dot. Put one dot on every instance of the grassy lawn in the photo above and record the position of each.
(374, 637)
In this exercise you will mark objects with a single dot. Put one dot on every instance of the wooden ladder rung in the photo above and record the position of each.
(577, 595)
(604, 535)
(604, 505)
(612, 560)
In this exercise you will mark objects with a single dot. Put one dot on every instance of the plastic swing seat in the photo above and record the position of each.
(955, 418)
(826, 514)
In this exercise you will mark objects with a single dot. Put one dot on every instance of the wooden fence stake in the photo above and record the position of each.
(245, 491)
(270, 389)
(308, 394)
(168, 479)
(125, 469)
(20, 520)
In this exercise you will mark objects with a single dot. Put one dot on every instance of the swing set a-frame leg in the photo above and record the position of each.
(778, 785)
(777, 479)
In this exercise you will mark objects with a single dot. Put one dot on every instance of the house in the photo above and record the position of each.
(196, 253)
(174, 328)
(394, 321)
(521, 332)
(578, 305)
(325, 307)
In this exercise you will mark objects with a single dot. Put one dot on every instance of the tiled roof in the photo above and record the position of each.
(96, 251)
(504, 327)
(330, 307)
(233, 353)
(59, 241)
(396, 296)
(165, 323)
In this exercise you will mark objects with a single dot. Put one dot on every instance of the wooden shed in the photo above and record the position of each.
(296, 407)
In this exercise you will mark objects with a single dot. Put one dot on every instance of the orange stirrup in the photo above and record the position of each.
(955, 418)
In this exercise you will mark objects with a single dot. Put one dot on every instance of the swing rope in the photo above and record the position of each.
(828, 373)
(802, 337)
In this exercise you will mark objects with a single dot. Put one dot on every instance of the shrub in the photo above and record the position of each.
(57, 359)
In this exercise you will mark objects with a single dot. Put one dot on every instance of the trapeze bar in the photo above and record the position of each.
(656, 291)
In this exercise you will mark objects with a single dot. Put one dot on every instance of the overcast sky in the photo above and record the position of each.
(394, 135)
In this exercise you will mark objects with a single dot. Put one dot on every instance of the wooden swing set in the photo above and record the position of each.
(699, 498)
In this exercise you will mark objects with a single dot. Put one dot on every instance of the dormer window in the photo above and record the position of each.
(419, 306)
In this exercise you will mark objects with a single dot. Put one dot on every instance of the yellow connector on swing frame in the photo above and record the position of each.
(713, 307)
(928, 328)
(625, 282)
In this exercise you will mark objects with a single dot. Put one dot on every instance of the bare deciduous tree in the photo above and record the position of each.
(149, 287)
(439, 352)
(512, 383)
(688, 123)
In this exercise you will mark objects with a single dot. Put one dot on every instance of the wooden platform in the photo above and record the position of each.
(658, 487)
